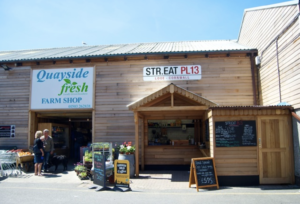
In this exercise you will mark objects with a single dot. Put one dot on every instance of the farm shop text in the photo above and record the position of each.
(73, 101)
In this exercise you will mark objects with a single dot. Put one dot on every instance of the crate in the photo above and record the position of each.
(27, 158)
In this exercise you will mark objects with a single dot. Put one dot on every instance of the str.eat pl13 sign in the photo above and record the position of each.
(171, 73)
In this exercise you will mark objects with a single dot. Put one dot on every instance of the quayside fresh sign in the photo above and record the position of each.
(172, 73)
(65, 88)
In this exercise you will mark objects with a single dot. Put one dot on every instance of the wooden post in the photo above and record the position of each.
(172, 95)
(143, 144)
(136, 122)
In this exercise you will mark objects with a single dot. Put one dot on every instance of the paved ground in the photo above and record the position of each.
(151, 186)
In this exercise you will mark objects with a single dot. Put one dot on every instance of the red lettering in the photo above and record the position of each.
(197, 70)
(187, 71)
(183, 69)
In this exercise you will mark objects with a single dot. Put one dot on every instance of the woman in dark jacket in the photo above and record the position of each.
(38, 157)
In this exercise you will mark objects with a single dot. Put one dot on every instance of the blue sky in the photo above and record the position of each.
(31, 24)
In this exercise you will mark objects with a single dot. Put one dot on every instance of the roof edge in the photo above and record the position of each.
(252, 107)
(288, 3)
(131, 54)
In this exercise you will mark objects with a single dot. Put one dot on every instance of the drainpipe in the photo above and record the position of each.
(278, 70)
(253, 78)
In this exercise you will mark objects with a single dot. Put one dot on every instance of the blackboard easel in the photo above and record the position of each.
(99, 173)
(203, 173)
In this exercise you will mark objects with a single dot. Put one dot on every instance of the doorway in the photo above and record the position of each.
(275, 150)
(64, 127)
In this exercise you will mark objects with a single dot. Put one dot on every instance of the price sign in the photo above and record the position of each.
(203, 173)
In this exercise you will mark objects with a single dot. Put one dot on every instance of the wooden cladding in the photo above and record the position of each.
(14, 104)
(225, 81)
(170, 155)
(236, 161)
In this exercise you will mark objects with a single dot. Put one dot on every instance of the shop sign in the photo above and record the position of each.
(7, 130)
(65, 88)
(172, 73)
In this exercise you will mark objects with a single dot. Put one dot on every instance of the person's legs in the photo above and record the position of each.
(46, 161)
(40, 168)
(36, 169)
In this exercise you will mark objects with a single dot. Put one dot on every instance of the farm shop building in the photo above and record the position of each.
(170, 99)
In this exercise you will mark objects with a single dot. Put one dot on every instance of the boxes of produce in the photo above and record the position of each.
(25, 157)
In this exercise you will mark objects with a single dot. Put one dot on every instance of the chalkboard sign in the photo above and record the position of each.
(235, 133)
(122, 171)
(121, 168)
(203, 173)
(99, 170)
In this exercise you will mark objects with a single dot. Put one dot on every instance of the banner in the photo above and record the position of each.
(64, 88)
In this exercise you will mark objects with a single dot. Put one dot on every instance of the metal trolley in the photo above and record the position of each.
(8, 165)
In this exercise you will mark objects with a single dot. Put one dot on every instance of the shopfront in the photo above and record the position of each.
(62, 102)
(249, 144)
(172, 113)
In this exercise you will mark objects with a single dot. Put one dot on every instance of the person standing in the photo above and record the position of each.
(48, 147)
(38, 157)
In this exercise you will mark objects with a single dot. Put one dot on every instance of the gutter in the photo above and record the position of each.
(131, 54)
(253, 78)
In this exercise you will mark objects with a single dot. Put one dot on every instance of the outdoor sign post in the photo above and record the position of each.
(203, 173)
(99, 173)
(122, 171)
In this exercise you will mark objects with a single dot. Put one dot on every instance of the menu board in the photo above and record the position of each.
(7, 130)
(235, 133)
(99, 170)
(203, 173)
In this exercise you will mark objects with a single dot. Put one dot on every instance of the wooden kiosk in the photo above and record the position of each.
(169, 103)
(264, 156)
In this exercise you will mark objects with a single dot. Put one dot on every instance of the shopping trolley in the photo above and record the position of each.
(8, 164)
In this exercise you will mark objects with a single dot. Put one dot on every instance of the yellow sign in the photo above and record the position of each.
(122, 173)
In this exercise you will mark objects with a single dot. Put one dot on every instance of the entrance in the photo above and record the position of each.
(65, 128)
(275, 158)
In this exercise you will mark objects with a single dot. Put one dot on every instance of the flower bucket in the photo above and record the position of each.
(130, 158)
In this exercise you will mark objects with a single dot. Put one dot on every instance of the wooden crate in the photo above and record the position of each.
(26, 158)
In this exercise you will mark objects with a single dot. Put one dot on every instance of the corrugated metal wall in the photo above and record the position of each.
(260, 28)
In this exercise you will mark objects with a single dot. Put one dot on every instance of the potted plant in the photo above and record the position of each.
(79, 168)
(83, 175)
(126, 152)
(126, 148)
